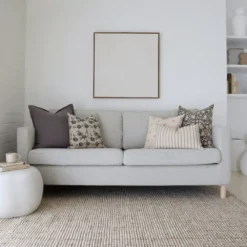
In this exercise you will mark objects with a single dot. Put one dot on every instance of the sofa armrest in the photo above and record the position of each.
(25, 141)
(221, 140)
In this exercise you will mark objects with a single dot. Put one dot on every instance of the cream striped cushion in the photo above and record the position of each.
(174, 122)
(185, 137)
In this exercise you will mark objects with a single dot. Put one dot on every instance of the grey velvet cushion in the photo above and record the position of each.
(76, 157)
(135, 127)
(152, 157)
(51, 129)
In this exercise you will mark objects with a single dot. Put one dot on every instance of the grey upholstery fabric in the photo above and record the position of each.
(135, 127)
(134, 175)
(221, 140)
(76, 157)
(110, 126)
(166, 157)
(25, 141)
(208, 174)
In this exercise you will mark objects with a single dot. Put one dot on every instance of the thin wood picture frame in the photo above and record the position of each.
(104, 65)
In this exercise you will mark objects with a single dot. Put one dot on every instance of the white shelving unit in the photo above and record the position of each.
(237, 42)
(229, 38)
(236, 66)
(239, 95)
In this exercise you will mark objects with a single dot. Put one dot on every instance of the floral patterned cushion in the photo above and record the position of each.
(205, 120)
(84, 133)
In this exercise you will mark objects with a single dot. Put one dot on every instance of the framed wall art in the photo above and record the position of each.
(126, 65)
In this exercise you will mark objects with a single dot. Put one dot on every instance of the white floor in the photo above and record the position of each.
(238, 186)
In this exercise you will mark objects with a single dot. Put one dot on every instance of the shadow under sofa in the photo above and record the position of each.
(124, 162)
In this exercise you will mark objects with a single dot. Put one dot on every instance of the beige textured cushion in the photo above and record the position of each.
(185, 137)
(84, 133)
(174, 122)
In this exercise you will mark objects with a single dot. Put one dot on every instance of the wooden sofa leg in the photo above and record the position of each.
(222, 191)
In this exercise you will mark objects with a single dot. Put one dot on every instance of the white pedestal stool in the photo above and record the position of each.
(20, 192)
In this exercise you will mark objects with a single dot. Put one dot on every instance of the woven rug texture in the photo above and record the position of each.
(130, 216)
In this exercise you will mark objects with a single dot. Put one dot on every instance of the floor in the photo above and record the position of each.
(178, 216)
(238, 186)
(136, 216)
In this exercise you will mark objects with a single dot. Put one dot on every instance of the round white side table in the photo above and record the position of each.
(20, 192)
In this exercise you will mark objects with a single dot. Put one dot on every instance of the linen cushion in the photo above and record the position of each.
(51, 129)
(186, 137)
(111, 126)
(84, 133)
(135, 126)
(76, 157)
(174, 122)
(168, 157)
(205, 120)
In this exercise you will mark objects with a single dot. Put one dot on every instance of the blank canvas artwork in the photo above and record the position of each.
(126, 65)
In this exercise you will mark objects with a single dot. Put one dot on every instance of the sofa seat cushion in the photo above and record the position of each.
(165, 157)
(76, 157)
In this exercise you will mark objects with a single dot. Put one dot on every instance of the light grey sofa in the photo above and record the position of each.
(124, 161)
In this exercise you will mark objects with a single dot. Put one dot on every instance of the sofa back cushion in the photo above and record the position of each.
(110, 126)
(135, 127)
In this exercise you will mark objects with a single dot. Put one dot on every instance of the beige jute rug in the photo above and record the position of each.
(130, 216)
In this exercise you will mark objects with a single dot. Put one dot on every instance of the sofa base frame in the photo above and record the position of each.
(201, 175)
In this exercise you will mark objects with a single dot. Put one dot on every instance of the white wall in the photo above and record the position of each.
(12, 50)
(59, 51)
